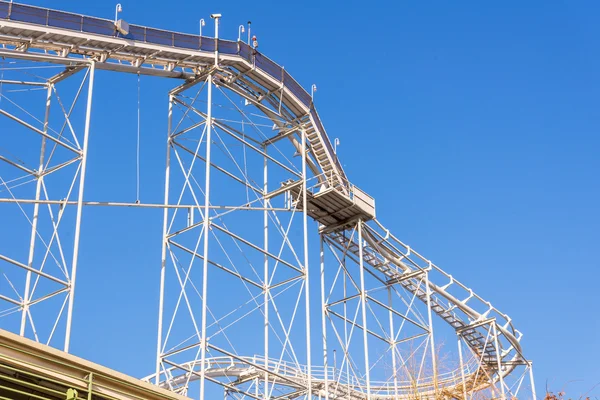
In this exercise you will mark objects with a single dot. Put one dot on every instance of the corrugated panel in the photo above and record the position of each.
(187, 41)
(65, 20)
(208, 44)
(228, 47)
(95, 25)
(268, 66)
(137, 33)
(297, 90)
(159, 37)
(29, 14)
(246, 52)
(4, 10)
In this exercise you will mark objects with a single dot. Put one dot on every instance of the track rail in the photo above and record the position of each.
(470, 315)
(157, 52)
(340, 385)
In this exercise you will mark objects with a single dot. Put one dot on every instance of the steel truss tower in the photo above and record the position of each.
(43, 188)
(234, 262)
(276, 278)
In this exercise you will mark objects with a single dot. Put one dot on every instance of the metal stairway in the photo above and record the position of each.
(485, 349)
(324, 154)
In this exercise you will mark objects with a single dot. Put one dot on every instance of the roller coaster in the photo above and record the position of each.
(252, 188)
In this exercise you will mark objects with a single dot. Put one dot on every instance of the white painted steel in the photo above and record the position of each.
(377, 250)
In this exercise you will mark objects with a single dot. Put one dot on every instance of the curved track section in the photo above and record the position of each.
(342, 386)
(337, 205)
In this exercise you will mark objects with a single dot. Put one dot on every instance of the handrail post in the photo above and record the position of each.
(90, 385)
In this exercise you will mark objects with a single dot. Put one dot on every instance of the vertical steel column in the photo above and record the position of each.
(363, 299)
(306, 276)
(323, 319)
(346, 341)
(206, 233)
(266, 271)
(393, 341)
(532, 381)
(430, 321)
(462, 367)
(36, 208)
(163, 261)
(216, 40)
(86, 135)
(499, 360)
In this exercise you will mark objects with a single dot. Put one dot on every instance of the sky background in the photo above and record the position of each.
(475, 125)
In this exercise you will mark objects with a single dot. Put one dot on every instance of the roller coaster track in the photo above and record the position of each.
(341, 385)
(33, 33)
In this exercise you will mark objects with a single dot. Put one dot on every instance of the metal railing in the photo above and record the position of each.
(331, 180)
(98, 26)
(468, 297)
(337, 378)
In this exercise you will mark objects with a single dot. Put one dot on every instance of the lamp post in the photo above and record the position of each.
(336, 143)
(240, 31)
(118, 9)
(202, 23)
(121, 26)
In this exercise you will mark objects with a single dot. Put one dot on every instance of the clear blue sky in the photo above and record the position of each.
(475, 125)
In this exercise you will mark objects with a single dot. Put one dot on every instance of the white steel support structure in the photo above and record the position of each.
(324, 322)
(86, 135)
(231, 146)
(36, 209)
(249, 167)
(206, 227)
(164, 248)
(356, 301)
(266, 276)
(483, 378)
(305, 265)
(393, 342)
(434, 367)
(363, 309)
(41, 280)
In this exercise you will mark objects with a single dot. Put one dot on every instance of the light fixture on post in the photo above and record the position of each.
(313, 89)
(201, 23)
(240, 31)
(118, 9)
(336, 143)
(122, 26)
